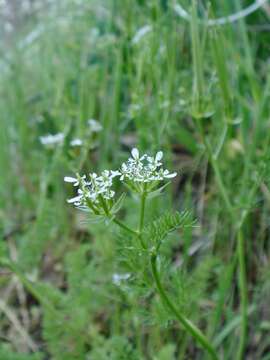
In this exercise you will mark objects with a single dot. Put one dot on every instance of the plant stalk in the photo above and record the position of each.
(243, 294)
(143, 198)
(125, 227)
(186, 323)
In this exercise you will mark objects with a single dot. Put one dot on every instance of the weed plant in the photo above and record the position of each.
(169, 271)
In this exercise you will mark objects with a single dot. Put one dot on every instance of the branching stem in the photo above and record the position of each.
(125, 227)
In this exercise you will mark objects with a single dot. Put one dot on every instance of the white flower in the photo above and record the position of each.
(74, 181)
(94, 125)
(135, 153)
(76, 200)
(52, 140)
(92, 188)
(70, 179)
(118, 278)
(159, 156)
(144, 168)
(76, 142)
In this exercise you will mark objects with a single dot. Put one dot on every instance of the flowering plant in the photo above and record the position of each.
(143, 175)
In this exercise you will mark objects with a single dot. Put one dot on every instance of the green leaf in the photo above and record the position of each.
(157, 192)
(160, 228)
(117, 206)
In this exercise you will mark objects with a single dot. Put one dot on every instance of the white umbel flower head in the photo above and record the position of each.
(93, 190)
(145, 168)
(52, 140)
(76, 142)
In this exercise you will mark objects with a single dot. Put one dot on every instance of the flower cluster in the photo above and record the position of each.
(92, 190)
(95, 192)
(144, 168)
(76, 142)
(52, 140)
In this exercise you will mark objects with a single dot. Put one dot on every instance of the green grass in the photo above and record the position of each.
(199, 94)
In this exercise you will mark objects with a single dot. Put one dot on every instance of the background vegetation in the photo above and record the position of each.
(152, 80)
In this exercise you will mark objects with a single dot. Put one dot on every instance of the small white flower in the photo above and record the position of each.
(135, 153)
(144, 168)
(94, 125)
(70, 179)
(52, 140)
(74, 181)
(92, 188)
(75, 200)
(168, 175)
(159, 156)
(76, 142)
(118, 278)
(115, 173)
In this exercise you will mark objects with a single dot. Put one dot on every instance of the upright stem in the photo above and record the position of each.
(143, 198)
(221, 186)
(243, 294)
(186, 323)
(104, 205)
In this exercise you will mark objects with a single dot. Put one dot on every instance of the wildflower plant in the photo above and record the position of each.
(144, 176)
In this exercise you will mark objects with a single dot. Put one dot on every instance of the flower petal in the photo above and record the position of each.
(159, 156)
(170, 176)
(115, 173)
(135, 153)
(75, 199)
(70, 179)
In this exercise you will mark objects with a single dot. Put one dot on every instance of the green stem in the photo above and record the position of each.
(131, 231)
(125, 227)
(142, 212)
(197, 59)
(243, 295)
(104, 204)
(92, 207)
(186, 323)
(221, 186)
(143, 198)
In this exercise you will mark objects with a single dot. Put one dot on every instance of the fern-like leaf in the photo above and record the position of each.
(160, 228)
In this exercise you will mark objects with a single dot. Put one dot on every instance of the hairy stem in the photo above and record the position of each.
(243, 295)
(186, 323)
